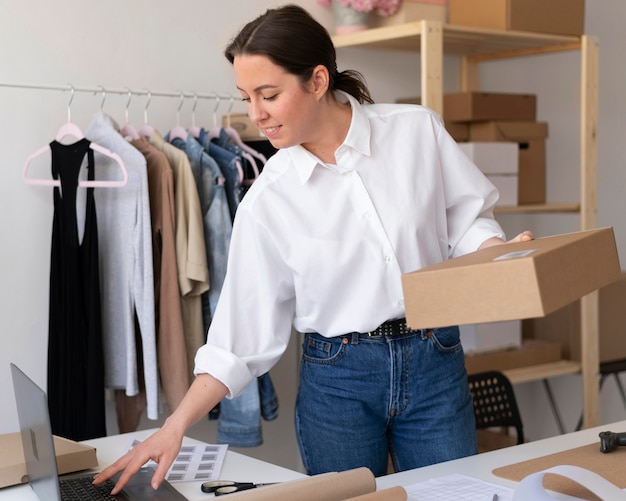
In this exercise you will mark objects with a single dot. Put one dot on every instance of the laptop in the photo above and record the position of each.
(41, 467)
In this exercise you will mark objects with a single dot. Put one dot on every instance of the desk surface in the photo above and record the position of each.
(238, 466)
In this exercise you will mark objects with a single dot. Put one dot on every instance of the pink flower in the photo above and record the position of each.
(380, 7)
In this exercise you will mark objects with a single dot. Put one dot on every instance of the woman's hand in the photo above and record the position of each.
(163, 447)
(524, 236)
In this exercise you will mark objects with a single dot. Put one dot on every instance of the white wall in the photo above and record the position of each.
(170, 46)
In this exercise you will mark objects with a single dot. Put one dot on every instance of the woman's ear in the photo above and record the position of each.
(320, 80)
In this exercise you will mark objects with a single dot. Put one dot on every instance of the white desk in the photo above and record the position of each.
(240, 467)
(481, 465)
(236, 467)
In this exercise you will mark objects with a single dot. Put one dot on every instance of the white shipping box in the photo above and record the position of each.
(491, 336)
(507, 185)
(493, 157)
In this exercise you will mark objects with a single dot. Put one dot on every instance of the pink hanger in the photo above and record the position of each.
(71, 129)
(179, 131)
(194, 130)
(146, 130)
(128, 130)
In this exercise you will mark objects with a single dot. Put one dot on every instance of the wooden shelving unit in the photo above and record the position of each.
(430, 40)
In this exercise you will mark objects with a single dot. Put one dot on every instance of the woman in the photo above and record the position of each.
(356, 195)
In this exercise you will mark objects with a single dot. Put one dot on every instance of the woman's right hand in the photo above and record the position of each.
(162, 447)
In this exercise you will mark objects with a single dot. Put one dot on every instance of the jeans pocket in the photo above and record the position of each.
(319, 350)
(447, 339)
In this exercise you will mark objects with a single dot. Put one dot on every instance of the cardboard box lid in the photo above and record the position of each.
(71, 456)
(511, 281)
(507, 130)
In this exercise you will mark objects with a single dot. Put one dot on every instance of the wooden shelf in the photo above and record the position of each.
(543, 371)
(537, 208)
(461, 40)
(431, 41)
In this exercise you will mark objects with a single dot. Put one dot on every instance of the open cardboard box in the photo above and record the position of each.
(511, 281)
(71, 456)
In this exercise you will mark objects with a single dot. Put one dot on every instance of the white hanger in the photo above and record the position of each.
(128, 130)
(71, 129)
(146, 130)
(194, 130)
(179, 131)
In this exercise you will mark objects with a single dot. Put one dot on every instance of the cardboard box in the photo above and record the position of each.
(491, 336)
(564, 325)
(244, 126)
(532, 352)
(530, 137)
(486, 106)
(71, 456)
(563, 17)
(508, 187)
(511, 281)
(493, 157)
(410, 12)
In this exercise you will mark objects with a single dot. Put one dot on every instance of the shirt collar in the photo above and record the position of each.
(358, 139)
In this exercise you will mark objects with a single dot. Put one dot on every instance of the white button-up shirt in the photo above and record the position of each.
(323, 247)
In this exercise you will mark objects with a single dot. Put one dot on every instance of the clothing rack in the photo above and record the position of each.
(182, 95)
(125, 91)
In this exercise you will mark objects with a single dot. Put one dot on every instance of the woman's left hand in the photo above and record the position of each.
(524, 236)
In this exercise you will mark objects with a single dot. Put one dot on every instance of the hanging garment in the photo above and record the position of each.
(75, 361)
(193, 272)
(126, 271)
(215, 216)
(228, 163)
(171, 354)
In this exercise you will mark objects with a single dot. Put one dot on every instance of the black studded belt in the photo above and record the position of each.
(396, 327)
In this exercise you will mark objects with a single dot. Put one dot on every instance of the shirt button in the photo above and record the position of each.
(387, 259)
(401, 302)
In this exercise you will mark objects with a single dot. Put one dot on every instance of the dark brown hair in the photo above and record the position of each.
(292, 39)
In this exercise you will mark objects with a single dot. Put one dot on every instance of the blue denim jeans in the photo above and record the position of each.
(362, 398)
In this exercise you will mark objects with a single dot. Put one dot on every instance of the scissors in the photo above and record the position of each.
(222, 487)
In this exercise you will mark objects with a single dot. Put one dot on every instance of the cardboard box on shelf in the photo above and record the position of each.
(487, 106)
(530, 137)
(511, 281)
(71, 456)
(493, 157)
(563, 325)
(491, 336)
(411, 11)
(562, 17)
(244, 126)
(531, 352)
(508, 186)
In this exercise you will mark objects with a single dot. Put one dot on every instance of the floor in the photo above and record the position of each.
(279, 443)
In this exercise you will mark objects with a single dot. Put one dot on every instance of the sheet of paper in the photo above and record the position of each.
(454, 487)
(201, 462)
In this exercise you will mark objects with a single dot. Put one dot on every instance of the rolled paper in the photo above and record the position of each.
(324, 487)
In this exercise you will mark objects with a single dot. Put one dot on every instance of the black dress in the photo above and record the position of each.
(75, 359)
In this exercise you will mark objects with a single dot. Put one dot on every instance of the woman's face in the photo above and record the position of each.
(283, 109)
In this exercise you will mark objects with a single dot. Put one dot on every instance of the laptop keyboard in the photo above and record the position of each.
(81, 489)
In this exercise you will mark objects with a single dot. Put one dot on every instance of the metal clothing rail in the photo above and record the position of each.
(125, 91)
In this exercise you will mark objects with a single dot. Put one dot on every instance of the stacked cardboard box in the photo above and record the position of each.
(499, 162)
(562, 17)
(507, 118)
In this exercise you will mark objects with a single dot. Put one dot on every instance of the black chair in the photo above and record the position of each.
(494, 402)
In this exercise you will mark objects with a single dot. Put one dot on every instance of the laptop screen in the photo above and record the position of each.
(32, 412)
